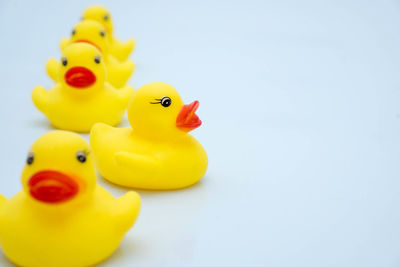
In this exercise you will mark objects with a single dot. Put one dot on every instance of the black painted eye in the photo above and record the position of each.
(105, 17)
(81, 156)
(102, 34)
(97, 59)
(165, 101)
(29, 159)
(73, 32)
(64, 61)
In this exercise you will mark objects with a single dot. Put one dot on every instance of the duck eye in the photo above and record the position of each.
(29, 159)
(73, 32)
(64, 61)
(81, 156)
(105, 17)
(165, 101)
(97, 59)
(102, 34)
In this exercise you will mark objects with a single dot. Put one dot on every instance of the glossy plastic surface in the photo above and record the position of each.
(156, 153)
(120, 50)
(94, 33)
(80, 231)
(81, 97)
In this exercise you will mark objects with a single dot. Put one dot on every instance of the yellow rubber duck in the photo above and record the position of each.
(62, 217)
(118, 49)
(156, 152)
(81, 97)
(94, 33)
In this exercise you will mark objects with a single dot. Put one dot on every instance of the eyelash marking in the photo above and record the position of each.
(159, 101)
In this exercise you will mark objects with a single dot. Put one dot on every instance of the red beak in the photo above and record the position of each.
(88, 42)
(187, 119)
(52, 186)
(79, 77)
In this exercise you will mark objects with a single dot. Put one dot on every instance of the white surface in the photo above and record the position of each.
(300, 104)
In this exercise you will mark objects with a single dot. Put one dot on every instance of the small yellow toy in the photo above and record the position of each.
(62, 217)
(94, 33)
(81, 97)
(119, 50)
(157, 152)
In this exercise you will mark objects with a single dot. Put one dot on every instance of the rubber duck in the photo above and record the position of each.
(118, 49)
(81, 97)
(62, 217)
(156, 152)
(94, 33)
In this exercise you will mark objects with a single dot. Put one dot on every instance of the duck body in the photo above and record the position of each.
(156, 152)
(34, 236)
(62, 218)
(127, 159)
(81, 96)
(79, 112)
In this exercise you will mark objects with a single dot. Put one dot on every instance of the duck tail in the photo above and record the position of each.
(122, 50)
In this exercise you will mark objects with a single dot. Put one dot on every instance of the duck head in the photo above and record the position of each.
(157, 110)
(101, 15)
(91, 32)
(82, 67)
(59, 169)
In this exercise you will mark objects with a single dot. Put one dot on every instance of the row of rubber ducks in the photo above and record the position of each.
(62, 217)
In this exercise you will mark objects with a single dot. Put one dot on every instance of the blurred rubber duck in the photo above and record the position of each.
(118, 49)
(94, 33)
(156, 152)
(62, 217)
(81, 97)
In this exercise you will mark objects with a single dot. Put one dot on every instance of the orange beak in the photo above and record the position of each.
(79, 77)
(52, 186)
(187, 119)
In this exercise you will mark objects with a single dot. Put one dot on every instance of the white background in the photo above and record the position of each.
(300, 105)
